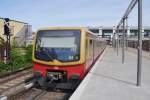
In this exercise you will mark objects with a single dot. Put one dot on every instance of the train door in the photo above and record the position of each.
(93, 49)
(89, 52)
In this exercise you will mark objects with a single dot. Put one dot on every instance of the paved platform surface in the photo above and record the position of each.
(109, 79)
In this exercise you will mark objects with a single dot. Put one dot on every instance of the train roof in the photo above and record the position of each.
(68, 28)
(61, 28)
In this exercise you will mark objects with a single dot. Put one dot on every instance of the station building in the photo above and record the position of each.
(131, 31)
(20, 32)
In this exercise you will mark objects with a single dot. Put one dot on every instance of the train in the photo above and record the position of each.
(62, 56)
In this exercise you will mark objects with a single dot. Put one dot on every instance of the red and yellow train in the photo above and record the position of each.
(63, 54)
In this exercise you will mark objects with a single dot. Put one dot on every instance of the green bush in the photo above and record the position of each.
(4, 67)
(28, 55)
(14, 43)
(17, 59)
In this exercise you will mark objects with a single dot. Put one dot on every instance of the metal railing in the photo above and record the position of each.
(123, 22)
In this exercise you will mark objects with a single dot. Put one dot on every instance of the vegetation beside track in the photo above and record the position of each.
(19, 60)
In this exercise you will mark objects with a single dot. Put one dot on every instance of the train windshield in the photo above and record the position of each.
(61, 45)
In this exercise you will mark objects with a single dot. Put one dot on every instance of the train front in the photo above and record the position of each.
(57, 56)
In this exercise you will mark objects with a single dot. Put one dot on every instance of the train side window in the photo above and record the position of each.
(90, 42)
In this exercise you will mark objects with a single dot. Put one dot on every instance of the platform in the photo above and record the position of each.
(109, 79)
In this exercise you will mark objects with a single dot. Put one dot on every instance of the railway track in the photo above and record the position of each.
(10, 82)
(11, 87)
(7, 78)
(42, 94)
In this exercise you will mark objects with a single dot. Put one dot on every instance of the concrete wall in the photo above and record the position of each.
(19, 30)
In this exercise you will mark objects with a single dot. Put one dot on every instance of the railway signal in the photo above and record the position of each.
(7, 32)
(6, 26)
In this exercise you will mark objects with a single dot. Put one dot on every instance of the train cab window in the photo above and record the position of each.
(61, 45)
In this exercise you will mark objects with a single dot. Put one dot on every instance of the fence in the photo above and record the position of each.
(134, 44)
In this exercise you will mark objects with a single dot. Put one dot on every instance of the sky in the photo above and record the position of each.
(49, 13)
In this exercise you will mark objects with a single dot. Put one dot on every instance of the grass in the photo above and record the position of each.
(17, 60)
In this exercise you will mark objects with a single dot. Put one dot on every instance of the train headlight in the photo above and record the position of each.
(37, 74)
(75, 76)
